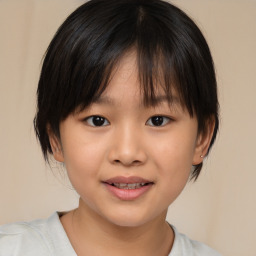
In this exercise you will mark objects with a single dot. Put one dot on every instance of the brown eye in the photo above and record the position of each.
(97, 121)
(158, 121)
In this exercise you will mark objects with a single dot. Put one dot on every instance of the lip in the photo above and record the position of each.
(127, 194)
(128, 180)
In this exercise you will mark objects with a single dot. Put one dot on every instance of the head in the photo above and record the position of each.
(172, 56)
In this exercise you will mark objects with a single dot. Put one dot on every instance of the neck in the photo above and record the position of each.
(90, 234)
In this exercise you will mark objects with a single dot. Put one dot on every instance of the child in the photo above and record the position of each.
(127, 100)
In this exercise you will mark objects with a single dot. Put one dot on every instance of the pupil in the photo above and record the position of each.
(98, 120)
(157, 120)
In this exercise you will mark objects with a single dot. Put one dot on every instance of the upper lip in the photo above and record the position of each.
(127, 180)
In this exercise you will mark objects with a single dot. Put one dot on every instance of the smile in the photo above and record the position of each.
(128, 188)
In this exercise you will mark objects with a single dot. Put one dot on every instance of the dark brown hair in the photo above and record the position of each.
(91, 41)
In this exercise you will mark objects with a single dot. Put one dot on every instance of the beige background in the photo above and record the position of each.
(219, 209)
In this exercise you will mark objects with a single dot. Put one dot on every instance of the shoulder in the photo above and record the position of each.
(31, 238)
(18, 238)
(187, 247)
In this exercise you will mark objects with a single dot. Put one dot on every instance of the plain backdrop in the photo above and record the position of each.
(220, 208)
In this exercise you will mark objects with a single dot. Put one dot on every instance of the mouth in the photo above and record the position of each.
(132, 182)
(129, 185)
(128, 188)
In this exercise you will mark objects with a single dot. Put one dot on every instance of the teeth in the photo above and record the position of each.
(129, 186)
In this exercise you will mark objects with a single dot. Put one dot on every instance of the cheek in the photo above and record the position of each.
(174, 170)
(174, 155)
(173, 160)
(82, 160)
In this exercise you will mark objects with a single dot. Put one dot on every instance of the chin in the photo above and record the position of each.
(131, 223)
(129, 219)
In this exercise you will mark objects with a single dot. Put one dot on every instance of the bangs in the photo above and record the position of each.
(162, 58)
(156, 76)
(171, 52)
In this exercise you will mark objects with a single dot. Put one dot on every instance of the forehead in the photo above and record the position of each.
(127, 74)
(125, 80)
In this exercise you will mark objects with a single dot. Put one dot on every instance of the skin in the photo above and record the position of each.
(128, 144)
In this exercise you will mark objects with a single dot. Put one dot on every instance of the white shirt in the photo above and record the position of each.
(48, 238)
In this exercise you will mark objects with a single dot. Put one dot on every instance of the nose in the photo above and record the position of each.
(127, 147)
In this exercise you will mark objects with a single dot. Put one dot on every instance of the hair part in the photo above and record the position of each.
(88, 46)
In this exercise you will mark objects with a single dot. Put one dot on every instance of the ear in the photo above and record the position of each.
(55, 145)
(203, 142)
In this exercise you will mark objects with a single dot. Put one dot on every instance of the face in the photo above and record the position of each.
(129, 162)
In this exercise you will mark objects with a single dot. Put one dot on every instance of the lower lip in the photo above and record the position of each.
(127, 194)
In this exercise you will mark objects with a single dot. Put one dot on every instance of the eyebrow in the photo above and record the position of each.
(158, 100)
(103, 100)
(172, 100)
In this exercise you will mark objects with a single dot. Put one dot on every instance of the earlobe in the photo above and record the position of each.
(55, 146)
(203, 143)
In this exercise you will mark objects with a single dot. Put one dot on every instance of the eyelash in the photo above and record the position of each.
(164, 120)
(89, 120)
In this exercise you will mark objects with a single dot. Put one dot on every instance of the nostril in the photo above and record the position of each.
(134, 162)
(127, 156)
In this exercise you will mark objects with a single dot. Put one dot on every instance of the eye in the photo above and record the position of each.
(158, 121)
(97, 121)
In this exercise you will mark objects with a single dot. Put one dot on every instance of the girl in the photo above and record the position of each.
(127, 100)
